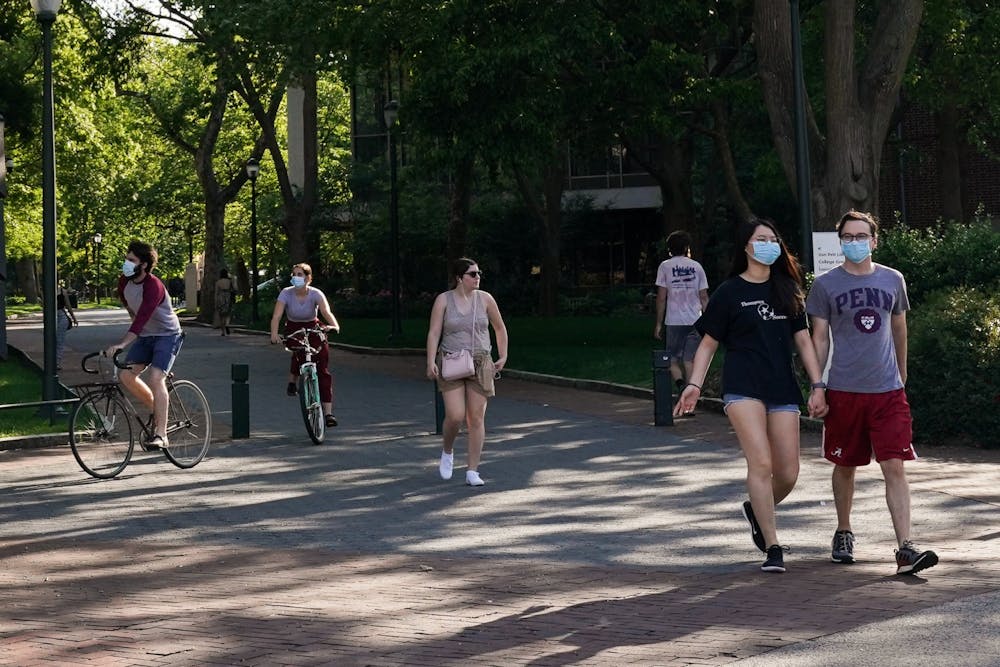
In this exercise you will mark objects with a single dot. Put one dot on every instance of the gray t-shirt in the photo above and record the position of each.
(304, 309)
(859, 310)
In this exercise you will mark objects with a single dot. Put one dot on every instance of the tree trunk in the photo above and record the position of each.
(859, 99)
(552, 187)
(27, 279)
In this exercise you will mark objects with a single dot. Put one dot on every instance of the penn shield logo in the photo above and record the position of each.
(867, 320)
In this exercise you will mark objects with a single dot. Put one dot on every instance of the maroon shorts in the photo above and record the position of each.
(859, 425)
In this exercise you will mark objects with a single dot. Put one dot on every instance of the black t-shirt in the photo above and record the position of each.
(758, 341)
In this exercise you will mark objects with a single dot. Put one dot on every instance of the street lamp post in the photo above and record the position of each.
(803, 190)
(6, 164)
(391, 112)
(97, 273)
(45, 12)
(253, 169)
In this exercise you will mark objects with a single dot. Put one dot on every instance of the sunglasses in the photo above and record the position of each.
(475, 274)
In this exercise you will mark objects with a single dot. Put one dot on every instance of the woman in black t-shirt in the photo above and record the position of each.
(759, 314)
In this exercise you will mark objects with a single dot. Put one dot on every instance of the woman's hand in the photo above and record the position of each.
(817, 403)
(275, 339)
(500, 363)
(432, 371)
(688, 400)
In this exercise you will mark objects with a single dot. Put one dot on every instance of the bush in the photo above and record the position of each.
(954, 363)
(945, 256)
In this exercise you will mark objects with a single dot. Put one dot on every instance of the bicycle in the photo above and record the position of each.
(308, 384)
(101, 429)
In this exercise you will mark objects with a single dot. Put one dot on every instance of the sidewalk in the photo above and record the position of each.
(598, 540)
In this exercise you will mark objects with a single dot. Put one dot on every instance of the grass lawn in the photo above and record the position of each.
(18, 384)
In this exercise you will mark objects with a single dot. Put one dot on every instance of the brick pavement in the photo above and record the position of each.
(598, 540)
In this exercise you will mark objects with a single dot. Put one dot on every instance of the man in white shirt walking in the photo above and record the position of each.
(681, 295)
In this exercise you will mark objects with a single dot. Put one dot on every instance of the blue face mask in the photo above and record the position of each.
(857, 251)
(766, 252)
(128, 268)
(298, 281)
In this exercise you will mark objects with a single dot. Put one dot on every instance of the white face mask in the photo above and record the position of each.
(128, 268)
(298, 281)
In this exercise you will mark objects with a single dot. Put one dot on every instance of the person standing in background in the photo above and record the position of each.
(681, 297)
(225, 294)
(65, 320)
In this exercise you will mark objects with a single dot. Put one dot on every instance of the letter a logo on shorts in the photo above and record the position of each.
(867, 320)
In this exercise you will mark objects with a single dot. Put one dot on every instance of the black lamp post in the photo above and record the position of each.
(802, 181)
(45, 12)
(253, 169)
(97, 262)
(6, 164)
(391, 112)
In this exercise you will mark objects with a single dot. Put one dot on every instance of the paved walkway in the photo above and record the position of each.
(598, 540)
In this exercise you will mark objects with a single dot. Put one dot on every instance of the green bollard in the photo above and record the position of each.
(241, 400)
(438, 409)
(663, 413)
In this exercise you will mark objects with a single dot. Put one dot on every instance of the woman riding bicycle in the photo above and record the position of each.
(301, 303)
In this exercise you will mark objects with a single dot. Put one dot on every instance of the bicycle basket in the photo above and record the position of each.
(106, 369)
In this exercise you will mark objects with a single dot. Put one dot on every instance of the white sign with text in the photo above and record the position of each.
(826, 252)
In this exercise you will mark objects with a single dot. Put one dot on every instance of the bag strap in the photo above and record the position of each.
(472, 337)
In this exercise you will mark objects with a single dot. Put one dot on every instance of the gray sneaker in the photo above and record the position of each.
(910, 559)
(843, 547)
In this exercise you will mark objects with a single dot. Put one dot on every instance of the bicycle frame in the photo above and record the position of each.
(308, 389)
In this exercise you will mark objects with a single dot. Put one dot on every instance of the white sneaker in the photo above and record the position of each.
(447, 465)
(472, 478)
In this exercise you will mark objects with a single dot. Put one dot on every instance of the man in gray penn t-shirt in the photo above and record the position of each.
(862, 306)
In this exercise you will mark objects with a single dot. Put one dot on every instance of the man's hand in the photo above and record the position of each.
(111, 351)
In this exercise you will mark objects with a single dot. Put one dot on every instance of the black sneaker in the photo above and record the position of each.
(331, 421)
(755, 534)
(910, 560)
(775, 559)
(291, 390)
(843, 547)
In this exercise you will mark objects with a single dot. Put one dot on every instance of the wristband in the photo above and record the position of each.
(692, 384)
(818, 385)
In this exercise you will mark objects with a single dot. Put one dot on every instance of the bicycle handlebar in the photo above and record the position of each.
(95, 371)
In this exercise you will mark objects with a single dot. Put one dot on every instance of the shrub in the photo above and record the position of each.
(953, 364)
(947, 255)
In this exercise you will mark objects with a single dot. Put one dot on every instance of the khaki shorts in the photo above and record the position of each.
(481, 382)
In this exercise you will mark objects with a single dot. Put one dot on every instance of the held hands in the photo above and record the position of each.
(687, 401)
(817, 404)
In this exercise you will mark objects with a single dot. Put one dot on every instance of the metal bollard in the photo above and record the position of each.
(241, 400)
(663, 413)
(438, 409)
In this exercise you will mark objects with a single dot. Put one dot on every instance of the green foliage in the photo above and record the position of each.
(948, 255)
(18, 384)
(954, 363)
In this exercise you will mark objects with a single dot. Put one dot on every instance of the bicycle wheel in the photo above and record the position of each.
(189, 425)
(100, 434)
(312, 409)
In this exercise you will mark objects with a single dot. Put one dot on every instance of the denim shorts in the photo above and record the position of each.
(159, 351)
(728, 399)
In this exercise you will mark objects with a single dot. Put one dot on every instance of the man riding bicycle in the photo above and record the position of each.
(155, 332)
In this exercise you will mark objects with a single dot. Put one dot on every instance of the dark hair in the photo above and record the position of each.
(860, 217)
(678, 243)
(223, 273)
(146, 253)
(786, 275)
(461, 265)
(306, 269)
